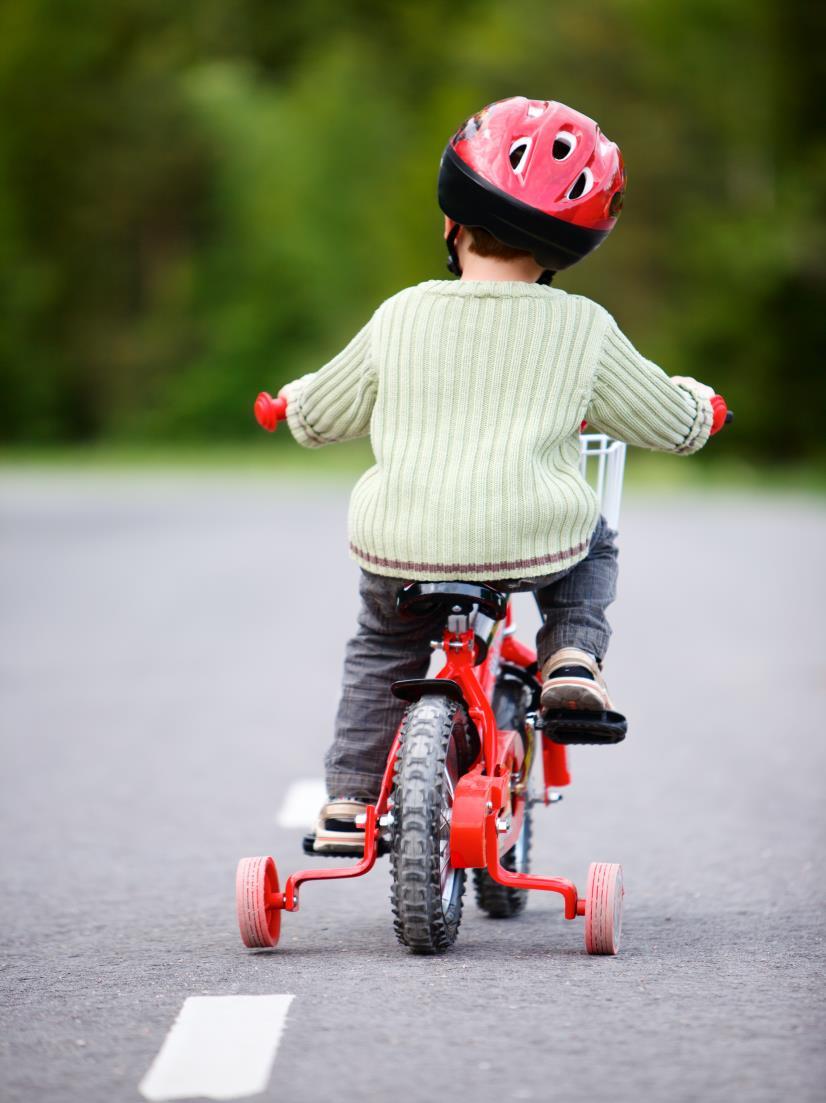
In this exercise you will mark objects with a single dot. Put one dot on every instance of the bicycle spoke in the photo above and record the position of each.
(450, 787)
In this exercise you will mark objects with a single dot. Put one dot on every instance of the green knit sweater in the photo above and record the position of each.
(473, 393)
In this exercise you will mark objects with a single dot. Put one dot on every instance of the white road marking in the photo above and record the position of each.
(302, 803)
(219, 1047)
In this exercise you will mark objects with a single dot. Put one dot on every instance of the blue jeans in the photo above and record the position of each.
(387, 648)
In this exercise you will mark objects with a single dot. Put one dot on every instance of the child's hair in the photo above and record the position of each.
(484, 244)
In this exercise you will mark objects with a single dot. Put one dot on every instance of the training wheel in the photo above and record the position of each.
(259, 902)
(603, 908)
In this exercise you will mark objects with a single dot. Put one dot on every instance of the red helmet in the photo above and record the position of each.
(537, 175)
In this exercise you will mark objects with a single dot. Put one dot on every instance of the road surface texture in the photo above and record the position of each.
(170, 658)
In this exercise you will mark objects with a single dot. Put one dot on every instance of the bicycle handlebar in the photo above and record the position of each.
(269, 411)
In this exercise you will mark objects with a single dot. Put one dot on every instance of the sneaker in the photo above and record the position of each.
(572, 679)
(336, 831)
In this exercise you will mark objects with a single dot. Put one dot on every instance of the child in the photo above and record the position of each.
(473, 393)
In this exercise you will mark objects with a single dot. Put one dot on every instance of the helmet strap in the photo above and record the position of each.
(453, 265)
(546, 276)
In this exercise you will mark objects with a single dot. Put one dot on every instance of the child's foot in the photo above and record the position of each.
(572, 679)
(336, 830)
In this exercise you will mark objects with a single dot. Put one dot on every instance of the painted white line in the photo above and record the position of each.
(302, 803)
(219, 1047)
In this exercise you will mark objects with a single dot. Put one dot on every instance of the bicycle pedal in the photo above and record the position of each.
(308, 843)
(583, 727)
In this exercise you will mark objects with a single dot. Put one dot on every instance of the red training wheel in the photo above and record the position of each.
(258, 901)
(603, 908)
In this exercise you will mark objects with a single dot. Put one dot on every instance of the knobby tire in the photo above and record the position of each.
(435, 735)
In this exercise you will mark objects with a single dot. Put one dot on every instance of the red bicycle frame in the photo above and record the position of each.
(489, 799)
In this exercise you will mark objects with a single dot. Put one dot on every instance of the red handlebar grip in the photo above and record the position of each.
(720, 414)
(269, 411)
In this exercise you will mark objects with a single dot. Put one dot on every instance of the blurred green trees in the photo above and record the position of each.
(198, 200)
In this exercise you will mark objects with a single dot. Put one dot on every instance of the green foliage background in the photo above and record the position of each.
(201, 199)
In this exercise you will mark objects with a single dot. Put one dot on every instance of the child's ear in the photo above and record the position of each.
(449, 224)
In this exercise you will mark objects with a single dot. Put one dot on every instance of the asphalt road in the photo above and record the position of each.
(169, 665)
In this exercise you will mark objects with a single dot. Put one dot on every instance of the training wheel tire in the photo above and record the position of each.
(258, 900)
(603, 908)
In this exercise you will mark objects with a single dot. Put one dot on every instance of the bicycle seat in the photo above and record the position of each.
(418, 598)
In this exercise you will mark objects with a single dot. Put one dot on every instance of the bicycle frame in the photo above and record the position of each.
(489, 799)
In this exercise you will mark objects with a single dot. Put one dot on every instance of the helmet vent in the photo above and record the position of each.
(518, 154)
(564, 145)
(616, 203)
(582, 185)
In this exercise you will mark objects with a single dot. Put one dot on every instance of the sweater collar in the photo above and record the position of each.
(490, 288)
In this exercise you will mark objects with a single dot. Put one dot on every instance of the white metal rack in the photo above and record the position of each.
(602, 463)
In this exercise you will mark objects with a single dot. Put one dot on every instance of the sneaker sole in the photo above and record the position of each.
(579, 694)
(351, 842)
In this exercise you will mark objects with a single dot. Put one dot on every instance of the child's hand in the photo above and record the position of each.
(720, 414)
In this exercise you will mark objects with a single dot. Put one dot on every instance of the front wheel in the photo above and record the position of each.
(427, 890)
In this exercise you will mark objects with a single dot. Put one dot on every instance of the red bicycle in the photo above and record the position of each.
(455, 793)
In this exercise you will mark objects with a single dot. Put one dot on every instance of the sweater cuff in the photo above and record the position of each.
(700, 430)
(300, 428)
